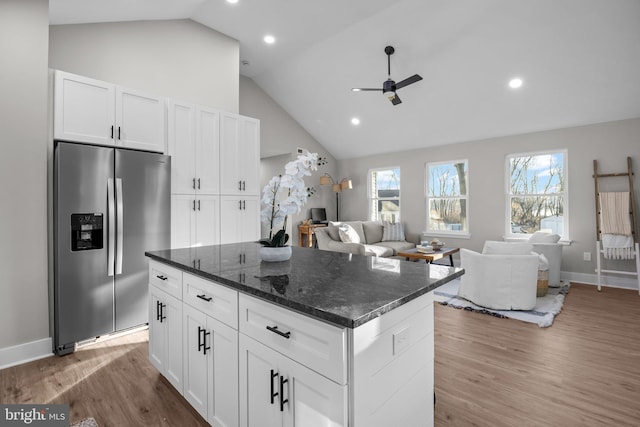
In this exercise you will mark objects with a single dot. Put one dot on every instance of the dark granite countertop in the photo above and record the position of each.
(346, 290)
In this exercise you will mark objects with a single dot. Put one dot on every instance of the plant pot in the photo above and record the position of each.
(275, 254)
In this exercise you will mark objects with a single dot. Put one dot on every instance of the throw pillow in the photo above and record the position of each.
(506, 248)
(348, 234)
(332, 229)
(392, 232)
(543, 237)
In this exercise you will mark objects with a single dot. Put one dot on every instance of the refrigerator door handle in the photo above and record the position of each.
(112, 227)
(119, 225)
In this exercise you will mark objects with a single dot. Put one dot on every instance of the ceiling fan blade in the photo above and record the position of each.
(362, 89)
(395, 100)
(408, 81)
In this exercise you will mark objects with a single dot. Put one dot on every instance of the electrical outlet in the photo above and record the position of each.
(401, 340)
(586, 256)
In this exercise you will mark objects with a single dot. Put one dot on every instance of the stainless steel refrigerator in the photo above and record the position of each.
(110, 206)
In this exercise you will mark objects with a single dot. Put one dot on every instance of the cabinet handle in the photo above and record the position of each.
(204, 297)
(158, 315)
(119, 133)
(111, 131)
(244, 205)
(198, 204)
(240, 204)
(275, 329)
(198, 183)
(200, 343)
(162, 316)
(161, 277)
(194, 205)
(274, 393)
(283, 381)
(244, 185)
(194, 184)
(204, 350)
(244, 258)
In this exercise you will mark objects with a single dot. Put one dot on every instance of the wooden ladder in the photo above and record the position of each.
(599, 249)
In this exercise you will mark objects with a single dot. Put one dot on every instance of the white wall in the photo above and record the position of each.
(177, 58)
(609, 143)
(280, 136)
(24, 31)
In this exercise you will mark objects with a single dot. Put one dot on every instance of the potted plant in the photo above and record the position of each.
(285, 195)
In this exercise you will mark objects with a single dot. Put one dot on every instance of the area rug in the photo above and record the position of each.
(87, 422)
(546, 309)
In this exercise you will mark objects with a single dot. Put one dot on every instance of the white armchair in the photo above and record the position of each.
(547, 245)
(500, 281)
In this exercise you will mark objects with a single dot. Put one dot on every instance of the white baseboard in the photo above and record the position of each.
(607, 280)
(23, 353)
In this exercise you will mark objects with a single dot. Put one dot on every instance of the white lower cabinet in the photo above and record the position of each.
(165, 335)
(210, 366)
(276, 391)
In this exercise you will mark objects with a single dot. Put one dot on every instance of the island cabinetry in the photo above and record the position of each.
(239, 155)
(165, 322)
(241, 218)
(210, 358)
(292, 368)
(97, 112)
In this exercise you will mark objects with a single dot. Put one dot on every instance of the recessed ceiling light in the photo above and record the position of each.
(355, 89)
(232, 1)
(515, 83)
(269, 39)
(355, 121)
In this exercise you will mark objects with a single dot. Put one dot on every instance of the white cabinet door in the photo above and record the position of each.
(207, 155)
(182, 147)
(223, 377)
(250, 227)
(195, 361)
(207, 222)
(249, 156)
(239, 218)
(140, 120)
(230, 180)
(276, 391)
(183, 220)
(312, 400)
(259, 385)
(210, 367)
(165, 335)
(84, 109)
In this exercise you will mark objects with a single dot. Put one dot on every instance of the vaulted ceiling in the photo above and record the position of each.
(579, 61)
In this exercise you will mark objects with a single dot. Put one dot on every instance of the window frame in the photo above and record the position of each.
(509, 234)
(371, 198)
(465, 234)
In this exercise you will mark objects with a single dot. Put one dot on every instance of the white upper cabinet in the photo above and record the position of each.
(194, 145)
(239, 155)
(97, 112)
(84, 109)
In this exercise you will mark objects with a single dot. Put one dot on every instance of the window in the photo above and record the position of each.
(384, 194)
(537, 193)
(447, 196)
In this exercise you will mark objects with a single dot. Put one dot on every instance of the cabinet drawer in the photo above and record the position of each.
(315, 344)
(211, 298)
(166, 278)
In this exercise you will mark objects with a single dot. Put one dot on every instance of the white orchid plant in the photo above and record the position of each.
(285, 195)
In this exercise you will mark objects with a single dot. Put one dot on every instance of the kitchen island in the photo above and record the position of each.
(324, 339)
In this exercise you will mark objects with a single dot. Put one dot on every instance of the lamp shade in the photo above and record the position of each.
(337, 188)
(325, 179)
(346, 184)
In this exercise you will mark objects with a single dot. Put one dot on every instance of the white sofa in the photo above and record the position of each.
(502, 277)
(370, 236)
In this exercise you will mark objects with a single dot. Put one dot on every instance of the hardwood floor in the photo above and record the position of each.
(582, 371)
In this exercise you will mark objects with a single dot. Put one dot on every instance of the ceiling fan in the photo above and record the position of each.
(389, 87)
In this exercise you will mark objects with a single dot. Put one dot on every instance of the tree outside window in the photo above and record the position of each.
(447, 197)
(537, 193)
(384, 194)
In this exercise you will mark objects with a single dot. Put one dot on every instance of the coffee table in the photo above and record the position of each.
(429, 258)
